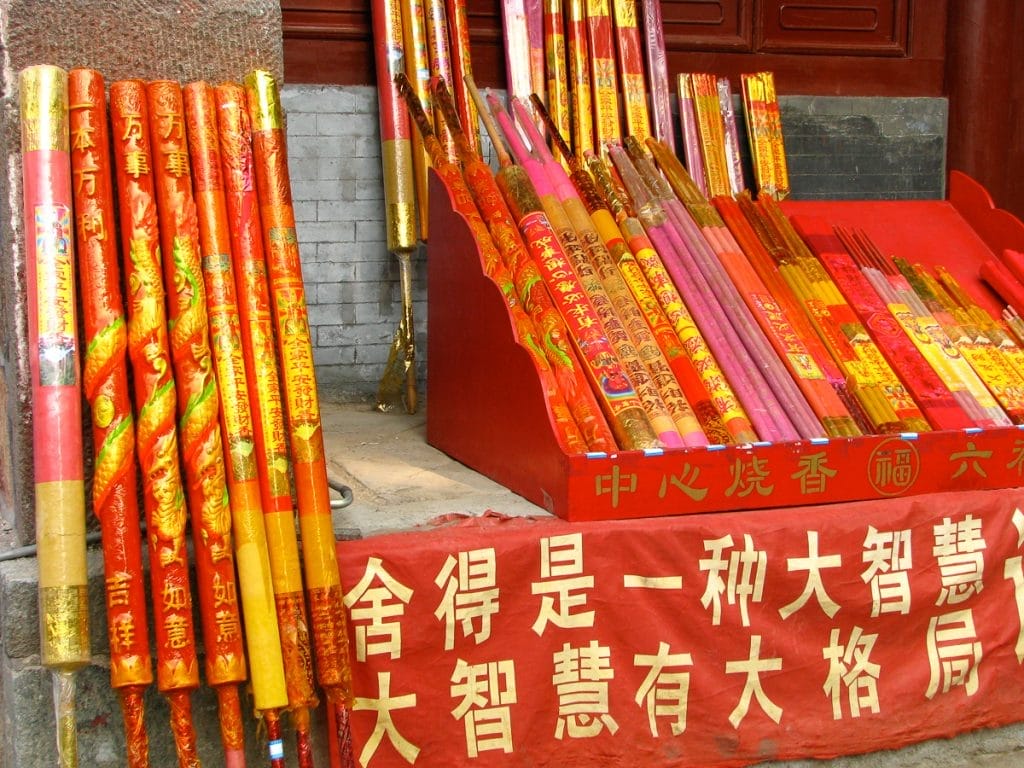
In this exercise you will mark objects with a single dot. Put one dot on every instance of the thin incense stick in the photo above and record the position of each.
(271, 447)
(743, 375)
(262, 637)
(566, 431)
(302, 404)
(580, 202)
(795, 417)
(525, 291)
(56, 391)
(105, 383)
(177, 668)
(608, 378)
(567, 219)
(657, 72)
(724, 401)
(399, 190)
(198, 409)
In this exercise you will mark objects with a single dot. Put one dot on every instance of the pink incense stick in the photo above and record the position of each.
(795, 407)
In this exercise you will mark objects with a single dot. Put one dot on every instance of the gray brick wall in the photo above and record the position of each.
(837, 148)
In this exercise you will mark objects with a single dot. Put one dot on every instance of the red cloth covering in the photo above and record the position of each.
(701, 640)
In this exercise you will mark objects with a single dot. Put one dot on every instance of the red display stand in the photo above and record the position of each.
(487, 409)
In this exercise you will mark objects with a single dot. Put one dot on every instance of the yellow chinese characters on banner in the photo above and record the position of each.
(690, 640)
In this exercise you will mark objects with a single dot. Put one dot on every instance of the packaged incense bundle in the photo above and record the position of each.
(271, 446)
(603, 75)
(786, 339)
(198, 411)
(529, 287)
(579, 202)
(105, 383)
(302, 404)
(690, 132)
(734, 162)
(417, 68)
(556, 66)
(722, 398)
(657, 72)
(631, 69)
(56, 391)
(399, 189)
(711, 132)
(515, 27)
(764, 131)
(258, 612)
(535, 31)
(579, 77)
(163, 496)
(564, 224)
(922, 398)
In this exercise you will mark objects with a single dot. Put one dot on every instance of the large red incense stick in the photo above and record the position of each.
(177, 668)
(462, 67)
(536, 299)
(604, 77)
(417, 68)
(302, 403)
(105, 382)
(198, 410)
(399, 189)
(56, 391)
(556, 66)
(253, 560)
(568, 433)
(440, 47)
(631, 69)
(579, 77)
(257, 329)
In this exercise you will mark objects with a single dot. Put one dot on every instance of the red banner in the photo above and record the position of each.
(701, 640)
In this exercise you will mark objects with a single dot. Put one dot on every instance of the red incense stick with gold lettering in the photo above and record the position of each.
(198, 411)
(603, 75)
(631, 69)
(440, 48)
(56, 391)
(462, 67)
(305, 432)
(253, 560)
(177, 668)
(399, 189)
(580, 96)
(566, 430)
(417, 69)
(557, 66)
(257, 329)
(105, 382)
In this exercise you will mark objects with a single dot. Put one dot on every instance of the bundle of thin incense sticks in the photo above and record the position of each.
(764, 129)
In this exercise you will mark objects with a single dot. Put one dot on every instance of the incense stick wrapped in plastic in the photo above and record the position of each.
(734, 162)
(787, 339)
(302, 403)
(657, 71)
(105, 383)
(603, 75)
(722, 398)
(568, 434)
(399, 192)
(556, 67)
(417, 69)
(532, 292)
(580, 202)
(631, 69)
(515, 27)
(198, 409)
(271, 447)
(56, 391)
(564, 222)
(688, 127)
(258, 612)
(711, 132)
(535, 25)
(177, 668)
(764, 130)
(579, 77)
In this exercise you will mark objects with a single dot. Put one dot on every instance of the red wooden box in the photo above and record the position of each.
(486, 408)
